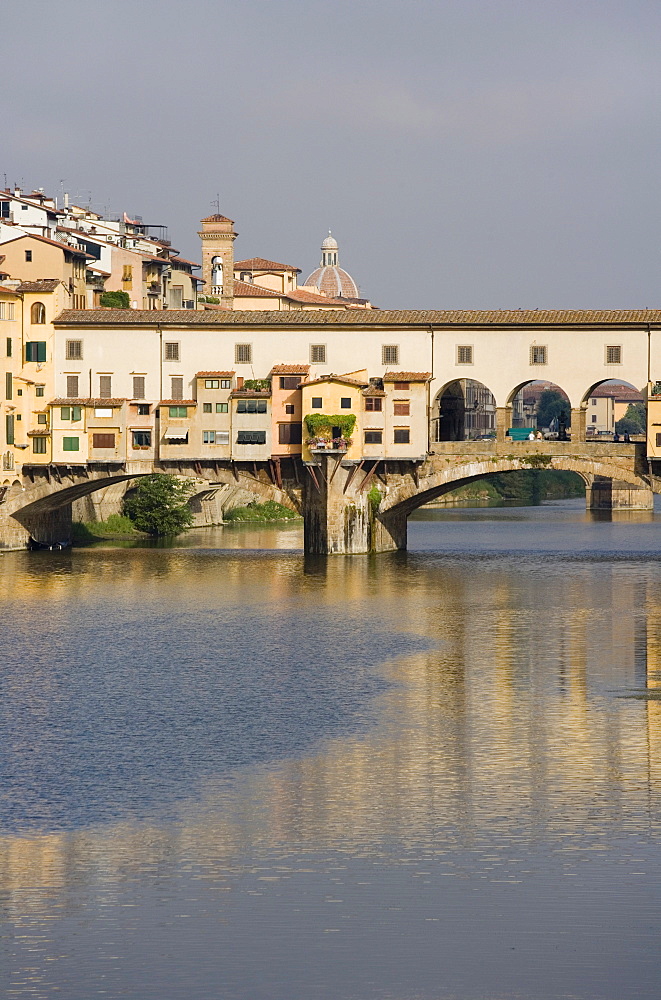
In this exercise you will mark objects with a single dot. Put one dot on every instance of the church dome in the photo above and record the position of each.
(329, 278)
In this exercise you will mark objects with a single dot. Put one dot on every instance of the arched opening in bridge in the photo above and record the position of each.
(614, 407)
(464, 410)
(543, 407)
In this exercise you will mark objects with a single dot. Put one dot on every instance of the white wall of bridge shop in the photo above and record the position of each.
(124, 352)
(576, 359)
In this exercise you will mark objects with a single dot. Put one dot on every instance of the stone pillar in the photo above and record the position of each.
(48, 526)
(340, 517)
(503, 421)
(578, 418)
(12, 534)
(612, 494)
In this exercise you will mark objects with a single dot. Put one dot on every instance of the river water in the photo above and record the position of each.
(229, 772)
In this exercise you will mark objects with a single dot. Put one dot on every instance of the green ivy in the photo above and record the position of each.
(257, 384)
(115, 300)
(317, 422)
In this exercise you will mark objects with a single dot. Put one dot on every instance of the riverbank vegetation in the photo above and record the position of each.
(269, 511)
(528, 486)
(116, 526)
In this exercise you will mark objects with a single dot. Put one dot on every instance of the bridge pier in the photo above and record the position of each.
(341, 510)
(613, 494)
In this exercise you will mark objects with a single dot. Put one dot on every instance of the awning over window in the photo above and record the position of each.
(176, 434)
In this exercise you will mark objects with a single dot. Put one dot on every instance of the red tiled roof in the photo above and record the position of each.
(41, 285)
(290, 369)
(248, 290)
(53, 243)
(217, 218)
(407, 376)
(337, 378)
(214, 374)
(261, 264)
(178, 402)
(617, 392)
(182, 260)
(300, 295)
(79, 401)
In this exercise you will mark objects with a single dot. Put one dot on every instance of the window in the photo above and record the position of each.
(9, 428)
(594, 418)
(103, 411)
(614, 355)
(538, 355)
(401, 386)
(176, 296)
(178, 411)
(251, 406)
(373, 404)
(142, 439)
(105, 386)
(127, 276)
(28, 253)
(222, 408)
(103, 440)
(71, 413)
(226, 383)
(289, 408)
(138, 386)
(70, 444)
(10, 310)
(289, 381)
(9, 346)
(290, 433)
(658, 441)
(316, 402)
(207, 408)
(593, 401)
(74, 350)
(39, 445)
(402, 408)
(72, 386)
(345, 403)
(39, 390)
(42, 418)
(9, 385)
(211, 383)
(35, 350)
(216, 437)
(390, 354)
(318, 354)
(4, 209)
(465, 355)
(243, 354)
(177, 387)
(171, 350)
(38, 313)
(143, 409)
(251, 437)
(402, 435)
(373, 437)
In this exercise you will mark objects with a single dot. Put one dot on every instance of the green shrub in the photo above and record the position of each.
(158, 506)
(115, 300)
(268, 511)
(257, 384)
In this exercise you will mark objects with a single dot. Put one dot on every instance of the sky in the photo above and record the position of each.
(480, 154)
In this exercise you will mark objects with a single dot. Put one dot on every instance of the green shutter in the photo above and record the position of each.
(9, 428)
(9, 386)
(76, 412)
(71, 444)
(65, 412)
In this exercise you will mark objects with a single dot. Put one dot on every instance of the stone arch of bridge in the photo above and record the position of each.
(401, 501)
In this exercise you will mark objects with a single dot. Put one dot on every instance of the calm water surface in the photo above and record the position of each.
(229, 772)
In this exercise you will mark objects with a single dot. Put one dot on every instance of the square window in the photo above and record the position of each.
(39, 445)
(390, 354)
(103, 440)
(318, 354)
(71, 444)
(538, 355)
(171, 350)
(74, 350)
(226, 383)
(222, 408)
(42, 418)
(178, 411)
(316, 402)
(65, 413)
(222, 437)
(289, 381)
(207, 408)
(39, 390)
(208, 437)
(345, 403)
(402, 408)
(373, 404)
(243, 354)
(614, 355)
(465, 355)
(373, 437)
(290, 433)
(35, 350)
(211, 383)
(289, 408)
(402, 435)
(142, 439)
(143, 409)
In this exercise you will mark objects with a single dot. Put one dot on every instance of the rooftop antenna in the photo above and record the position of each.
(216, 204)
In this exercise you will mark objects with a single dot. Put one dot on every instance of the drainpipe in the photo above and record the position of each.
(429, 406)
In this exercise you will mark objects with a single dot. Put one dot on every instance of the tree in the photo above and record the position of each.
(158, 506)
(115, 300)
(552, 404)
(634, 420)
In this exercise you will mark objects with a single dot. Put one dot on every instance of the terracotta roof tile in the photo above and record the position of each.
(178, 402)
(301, 295)
(214, 374)
(261, 264)
(407, 376)
(290, 369)
(217, 218)
(80, 401)
(53, 243)
(336, 378)
(247, 289)
(41, 285)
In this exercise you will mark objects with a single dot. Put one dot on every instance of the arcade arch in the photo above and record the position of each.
(463, 410)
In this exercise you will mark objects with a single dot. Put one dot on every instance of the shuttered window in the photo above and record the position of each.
(177, 387)
(138, 386)
(9, 428)
(39, 445)
(251, 437)
(72, 386)
(289, 381)
(9, 385)
(373, 437)
(251, 406)
(105, 386)
(35, 350)
(402, 409)
(402, 435)
(70, 444)
(373, 404)
(290, 433)
(103, 440)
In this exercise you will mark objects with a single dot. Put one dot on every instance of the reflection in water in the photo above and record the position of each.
(428, 775)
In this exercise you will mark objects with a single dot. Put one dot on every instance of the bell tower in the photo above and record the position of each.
(217, 235)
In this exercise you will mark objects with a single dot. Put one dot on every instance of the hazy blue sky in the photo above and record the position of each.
(465, 153)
